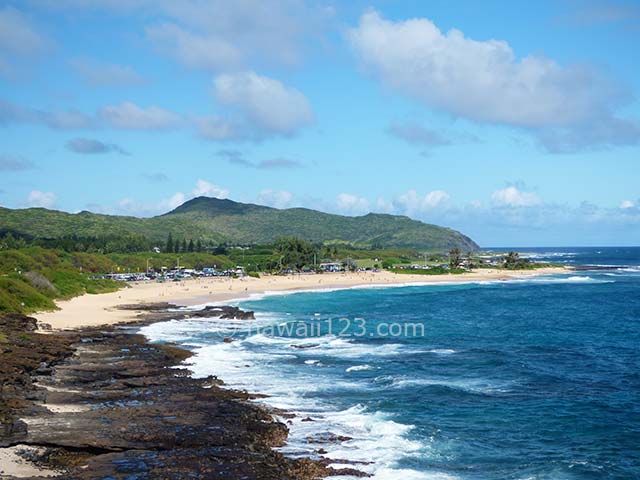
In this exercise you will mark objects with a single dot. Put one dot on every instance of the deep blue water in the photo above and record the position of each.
(536, 378)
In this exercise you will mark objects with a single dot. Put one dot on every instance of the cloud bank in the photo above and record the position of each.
(567, 108)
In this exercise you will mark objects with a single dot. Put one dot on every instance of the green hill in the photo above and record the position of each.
(240, 223)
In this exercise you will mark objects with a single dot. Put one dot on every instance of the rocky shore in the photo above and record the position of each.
(104, 403)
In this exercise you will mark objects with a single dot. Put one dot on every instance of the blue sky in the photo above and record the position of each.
(515, 122)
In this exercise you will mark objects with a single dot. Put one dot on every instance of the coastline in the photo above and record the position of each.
(106, 403)
(81, 315)
(102, 309)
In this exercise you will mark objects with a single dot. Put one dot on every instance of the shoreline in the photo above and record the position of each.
(108, 403)
(102, 309)
(81, 315)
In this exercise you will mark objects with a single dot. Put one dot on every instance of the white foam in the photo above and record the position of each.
(267, 365)
(632, 269)
(442, 351)
(328, 346)
(547, 254)
(374, 438)
(405, 474)
(359, 368)
(467, 385)
(553, 279)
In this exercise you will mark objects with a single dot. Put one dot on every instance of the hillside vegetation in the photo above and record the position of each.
(226, 221)
(32, 278)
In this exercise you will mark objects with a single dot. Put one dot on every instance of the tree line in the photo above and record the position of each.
(76, 243)
(177, 246)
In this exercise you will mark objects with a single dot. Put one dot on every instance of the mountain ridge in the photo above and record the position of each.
(224, 220)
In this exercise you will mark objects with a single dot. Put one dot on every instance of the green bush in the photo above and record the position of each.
(16, 295)
(33, 277)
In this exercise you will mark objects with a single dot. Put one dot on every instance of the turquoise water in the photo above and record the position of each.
(535, 378)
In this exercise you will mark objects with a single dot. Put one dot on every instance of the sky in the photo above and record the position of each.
(517, 123)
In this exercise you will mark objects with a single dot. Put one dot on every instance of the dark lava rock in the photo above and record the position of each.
(132, 414)
(327, 437)
(157, 314)
(304, 346)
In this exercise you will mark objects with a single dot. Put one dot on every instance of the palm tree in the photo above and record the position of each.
(454, 258)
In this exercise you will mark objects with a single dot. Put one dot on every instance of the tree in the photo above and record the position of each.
(191, 246)
(294, 253)
(183, 247)
(470, 263)
(454, 258)
(220, 249)
(198, 246)
(169, 247)
(512, 261)
(10, 242)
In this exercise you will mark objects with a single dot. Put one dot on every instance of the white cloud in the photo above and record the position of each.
(566, 107)
(384, 206)
(36, 198)
(352, 204)
(267, 103)
(275, 198)
(129, 206)
(128, 115)
(174, 201)
(411, 203)
(435, 198)
(204, 188)
(627, 204)
(513, 197)
(97, 73)
(265, 107)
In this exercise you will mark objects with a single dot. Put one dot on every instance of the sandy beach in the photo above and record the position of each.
(92, 310)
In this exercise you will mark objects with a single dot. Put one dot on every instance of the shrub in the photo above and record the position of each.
(16, 295)
(40, 282)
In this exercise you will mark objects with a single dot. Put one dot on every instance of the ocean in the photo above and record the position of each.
(531, 378)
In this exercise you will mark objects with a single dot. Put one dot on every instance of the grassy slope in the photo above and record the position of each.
(69, 273)
(20, 294)
(224, 220)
